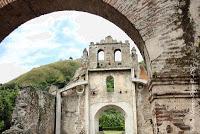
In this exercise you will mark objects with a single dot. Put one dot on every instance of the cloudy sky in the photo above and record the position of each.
(53, 37)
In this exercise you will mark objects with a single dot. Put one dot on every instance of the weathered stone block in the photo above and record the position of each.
(34, 113)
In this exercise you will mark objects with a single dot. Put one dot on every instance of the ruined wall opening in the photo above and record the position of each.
(118, 55)
(110, 119)
(110, 84)
(100, 55)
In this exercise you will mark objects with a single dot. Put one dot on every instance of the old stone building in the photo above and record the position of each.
(89, 93)
(167, 33)
(81, 102)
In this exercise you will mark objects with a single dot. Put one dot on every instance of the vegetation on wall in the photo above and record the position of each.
(111, 119)
(41, 78)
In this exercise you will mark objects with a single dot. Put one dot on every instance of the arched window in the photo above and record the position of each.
(100, 55)
(110, 84)
(118, 55)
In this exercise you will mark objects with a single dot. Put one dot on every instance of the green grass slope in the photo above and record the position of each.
(58, 73)
(41, 78)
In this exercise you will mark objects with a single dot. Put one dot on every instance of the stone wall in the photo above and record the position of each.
(175, 107)
(34, 113)
(124, 89)
(144, 114)
(177, 116)
(72, 113)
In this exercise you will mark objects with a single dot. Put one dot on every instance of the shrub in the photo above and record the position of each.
(7, 103)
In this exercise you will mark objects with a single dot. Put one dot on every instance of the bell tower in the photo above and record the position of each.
(111, 67)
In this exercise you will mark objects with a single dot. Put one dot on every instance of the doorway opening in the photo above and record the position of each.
(111, 121)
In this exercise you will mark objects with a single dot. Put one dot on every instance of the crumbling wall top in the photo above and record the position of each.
(110, 53)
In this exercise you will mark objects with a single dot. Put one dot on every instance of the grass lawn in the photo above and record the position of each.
(112, 132)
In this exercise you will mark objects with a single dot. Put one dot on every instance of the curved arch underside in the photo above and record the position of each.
(18, 12)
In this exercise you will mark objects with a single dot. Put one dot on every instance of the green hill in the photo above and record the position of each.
(58, 73)
(41, 78)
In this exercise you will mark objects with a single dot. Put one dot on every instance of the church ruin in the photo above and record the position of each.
(82, 101)
(167, 33)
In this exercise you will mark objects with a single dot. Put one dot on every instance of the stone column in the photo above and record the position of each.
(87, 128)
(58, 112)
(87, 108)
(134, 104)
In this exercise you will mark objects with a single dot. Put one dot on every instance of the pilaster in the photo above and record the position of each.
(175, 104)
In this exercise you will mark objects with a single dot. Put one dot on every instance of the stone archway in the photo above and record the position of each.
(167, 34)
(124, 108)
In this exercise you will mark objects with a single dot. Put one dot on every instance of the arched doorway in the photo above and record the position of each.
(112, 120)
(123, 108)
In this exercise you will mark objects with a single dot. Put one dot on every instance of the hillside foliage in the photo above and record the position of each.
(41, 78)
(58, 73)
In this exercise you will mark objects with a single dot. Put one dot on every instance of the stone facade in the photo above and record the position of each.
(164, 105)
(72, 113)
(123, 96)
(82, 104)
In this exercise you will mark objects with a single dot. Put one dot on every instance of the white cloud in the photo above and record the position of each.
(10, 71)
(93, 28)
(40, 36)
